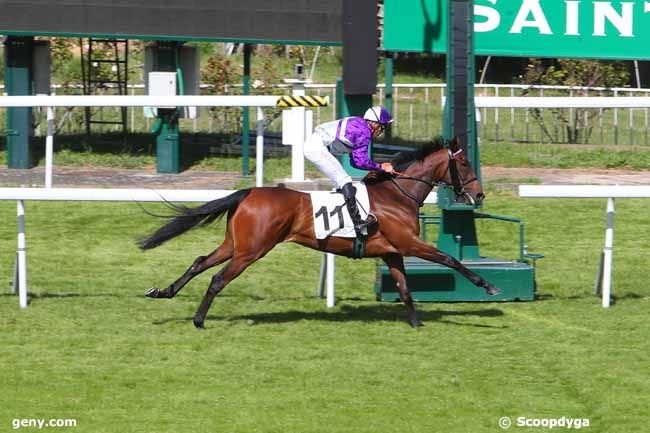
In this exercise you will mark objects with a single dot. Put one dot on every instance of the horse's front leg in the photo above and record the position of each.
(395, 263)
(218, 256)
(421, 249)
(171, 290)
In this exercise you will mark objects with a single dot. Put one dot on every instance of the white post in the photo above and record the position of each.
(49, 147)
(496, 115)
(259, 149)
(330, 280)
(21, 257)
(297, 148)
(320, 290)
(133, 112)
(607, 254)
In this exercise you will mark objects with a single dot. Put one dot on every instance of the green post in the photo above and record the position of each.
(245, 135)
(18, 81)
(457, 235)
(351, 105)
(167, 139)
(167, 142)
(388, 81)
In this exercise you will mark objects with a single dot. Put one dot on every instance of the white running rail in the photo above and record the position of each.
(610, 192)
(125, 195)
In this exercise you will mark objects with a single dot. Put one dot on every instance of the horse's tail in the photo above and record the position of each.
(187, 218)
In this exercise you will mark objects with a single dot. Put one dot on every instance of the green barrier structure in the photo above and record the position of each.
(351, 105)
(168, 158)
(18, 81)
(457, 234)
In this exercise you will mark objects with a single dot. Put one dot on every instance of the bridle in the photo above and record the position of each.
(457, 184)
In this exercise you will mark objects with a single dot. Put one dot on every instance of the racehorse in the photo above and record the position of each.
(260, 218)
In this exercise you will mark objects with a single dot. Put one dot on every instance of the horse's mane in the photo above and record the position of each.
(403, 160)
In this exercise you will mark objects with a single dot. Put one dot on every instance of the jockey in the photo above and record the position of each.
(348, 135)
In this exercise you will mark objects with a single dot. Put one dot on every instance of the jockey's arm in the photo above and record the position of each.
(359, 159)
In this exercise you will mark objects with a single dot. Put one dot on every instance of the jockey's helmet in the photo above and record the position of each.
(378, 114)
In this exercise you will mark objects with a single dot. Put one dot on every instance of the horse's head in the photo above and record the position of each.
(457, 172)
(439, 163)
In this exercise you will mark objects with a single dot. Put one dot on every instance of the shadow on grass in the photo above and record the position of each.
(349, 313)
(33, 297)
(194, 146)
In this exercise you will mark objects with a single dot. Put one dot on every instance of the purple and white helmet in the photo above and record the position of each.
(378, 114)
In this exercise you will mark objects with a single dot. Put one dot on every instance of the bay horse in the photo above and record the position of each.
(260, 218)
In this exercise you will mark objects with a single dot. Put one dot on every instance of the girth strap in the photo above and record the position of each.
(359, 247)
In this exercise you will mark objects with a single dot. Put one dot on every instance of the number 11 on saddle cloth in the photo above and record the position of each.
(331, 217)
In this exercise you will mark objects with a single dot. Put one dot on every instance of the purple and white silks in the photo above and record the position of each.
(349, 135)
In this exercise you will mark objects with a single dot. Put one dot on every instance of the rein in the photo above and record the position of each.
(457, 185)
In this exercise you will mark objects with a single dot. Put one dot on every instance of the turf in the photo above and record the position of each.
(274, 359)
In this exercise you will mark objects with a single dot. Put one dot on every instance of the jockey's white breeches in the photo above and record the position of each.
(317, 153)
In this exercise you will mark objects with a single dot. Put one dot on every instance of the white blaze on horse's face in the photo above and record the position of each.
(463, 178)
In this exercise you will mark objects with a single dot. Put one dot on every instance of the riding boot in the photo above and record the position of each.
(349, 193)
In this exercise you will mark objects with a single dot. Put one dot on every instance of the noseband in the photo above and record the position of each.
(457, 185)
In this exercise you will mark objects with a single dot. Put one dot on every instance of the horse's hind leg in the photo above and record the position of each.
(395, 263)
(421, 249)
(235, 267)
(218, 256)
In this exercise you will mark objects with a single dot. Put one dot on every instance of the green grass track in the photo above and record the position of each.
(273, 358)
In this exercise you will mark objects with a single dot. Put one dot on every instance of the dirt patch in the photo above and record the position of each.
(573, 176)
(99, 177)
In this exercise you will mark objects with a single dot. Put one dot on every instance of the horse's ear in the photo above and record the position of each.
(454, 144)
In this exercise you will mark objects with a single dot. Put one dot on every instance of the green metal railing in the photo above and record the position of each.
(426, 220)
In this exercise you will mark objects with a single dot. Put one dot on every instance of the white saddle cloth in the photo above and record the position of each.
(331, 216)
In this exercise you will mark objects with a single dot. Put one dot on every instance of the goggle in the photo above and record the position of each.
(381, 126)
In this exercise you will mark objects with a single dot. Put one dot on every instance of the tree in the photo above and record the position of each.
(581, 74)
(220, 73)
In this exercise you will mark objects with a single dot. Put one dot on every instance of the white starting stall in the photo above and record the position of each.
(297, 126)
(610, 192)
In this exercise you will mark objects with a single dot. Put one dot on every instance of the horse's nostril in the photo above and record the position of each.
(480, 196)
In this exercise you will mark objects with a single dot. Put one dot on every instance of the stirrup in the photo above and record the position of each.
(362, 228)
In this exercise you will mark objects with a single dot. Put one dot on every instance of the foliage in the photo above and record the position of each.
(220, 73)
(206, 49)
(580, 73)
(61, 52)
(265, 77)
(298, 53)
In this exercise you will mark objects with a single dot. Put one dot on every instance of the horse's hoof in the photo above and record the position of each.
(492, 291)
(199, 324)
(152, 293)
(415, 323)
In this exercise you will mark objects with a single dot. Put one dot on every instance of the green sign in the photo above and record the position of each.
(527, 28)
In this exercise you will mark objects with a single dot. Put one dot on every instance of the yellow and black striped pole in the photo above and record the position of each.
(303, 101)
